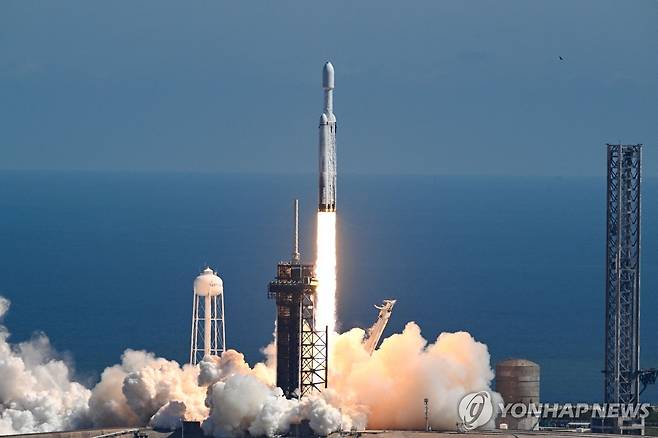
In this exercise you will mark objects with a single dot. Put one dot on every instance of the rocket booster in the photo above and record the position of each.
(327, 149)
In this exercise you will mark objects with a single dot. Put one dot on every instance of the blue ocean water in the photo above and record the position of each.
(105, 261)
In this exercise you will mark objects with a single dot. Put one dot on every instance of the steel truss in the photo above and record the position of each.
(622, 323)
(314, 351)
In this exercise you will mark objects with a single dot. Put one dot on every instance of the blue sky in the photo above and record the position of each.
(423, 87)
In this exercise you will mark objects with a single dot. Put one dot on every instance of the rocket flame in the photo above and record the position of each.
(325, 271)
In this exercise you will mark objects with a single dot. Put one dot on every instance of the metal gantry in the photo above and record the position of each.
(301, 364)
(622, 321)
(301, 359)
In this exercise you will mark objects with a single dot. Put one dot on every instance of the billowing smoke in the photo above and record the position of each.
(392, 383)
(139, 390)
(245, 399)
(36, 391)
(382, 390)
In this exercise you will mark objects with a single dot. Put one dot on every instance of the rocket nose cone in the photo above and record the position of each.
(328, 76)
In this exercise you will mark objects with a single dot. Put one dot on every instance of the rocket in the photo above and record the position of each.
(327, 146)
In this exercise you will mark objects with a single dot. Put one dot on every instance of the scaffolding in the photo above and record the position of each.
(314, 351)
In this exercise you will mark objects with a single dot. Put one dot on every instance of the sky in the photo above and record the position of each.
(423, 87)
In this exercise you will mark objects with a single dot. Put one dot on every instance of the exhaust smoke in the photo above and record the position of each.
(384, 390)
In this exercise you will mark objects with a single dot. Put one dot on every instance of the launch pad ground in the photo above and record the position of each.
(150, 433)
(475, 434)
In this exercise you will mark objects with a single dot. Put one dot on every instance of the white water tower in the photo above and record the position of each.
(208, 335)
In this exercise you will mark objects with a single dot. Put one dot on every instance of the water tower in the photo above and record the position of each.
(208, 335)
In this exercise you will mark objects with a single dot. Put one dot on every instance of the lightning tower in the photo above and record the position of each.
(622, 372)
(622, 319)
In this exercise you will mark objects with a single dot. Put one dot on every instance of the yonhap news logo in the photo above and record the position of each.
(478, 408)
(574, 410)
(475, 410)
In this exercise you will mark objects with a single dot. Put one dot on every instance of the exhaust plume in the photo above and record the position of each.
(325, 271)
(392, 382)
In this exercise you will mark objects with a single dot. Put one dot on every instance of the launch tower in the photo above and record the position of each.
(301, 356)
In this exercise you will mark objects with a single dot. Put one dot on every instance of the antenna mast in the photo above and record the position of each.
(295, 253)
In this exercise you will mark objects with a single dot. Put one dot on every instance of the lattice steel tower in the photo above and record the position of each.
(622, 294)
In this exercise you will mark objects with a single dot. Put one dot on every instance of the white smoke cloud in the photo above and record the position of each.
(384, 390)
(4, 307)
(239, 403)
(169, 416)
(36, 391)
(243, 400)
(132, 392)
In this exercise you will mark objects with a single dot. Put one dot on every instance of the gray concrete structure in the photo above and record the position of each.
(517, 381)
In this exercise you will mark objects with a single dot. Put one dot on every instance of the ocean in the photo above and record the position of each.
(101, 262)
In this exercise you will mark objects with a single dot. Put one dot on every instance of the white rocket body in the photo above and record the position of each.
(327, 149)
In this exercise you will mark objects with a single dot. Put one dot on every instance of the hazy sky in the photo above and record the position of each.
(438, 87)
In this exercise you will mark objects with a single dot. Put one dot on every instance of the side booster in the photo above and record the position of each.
(327, 150)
